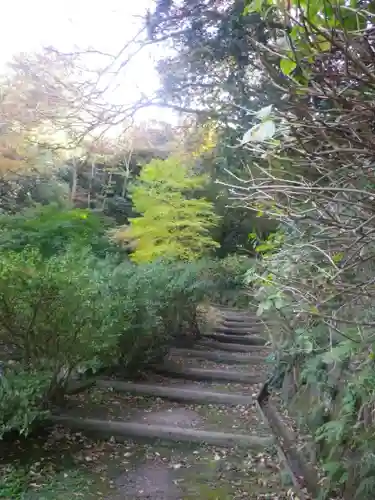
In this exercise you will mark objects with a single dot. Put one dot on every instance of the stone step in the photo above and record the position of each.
(222, 346)
(236, 339)
(247, 330)
(177, 393)
(240, 313)
(122, 431)
(219, 357)
(234, 310)
(231, 325)
(240, 319)
(201, 374)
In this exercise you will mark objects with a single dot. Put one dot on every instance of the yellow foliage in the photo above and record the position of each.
(172, 223)
(208, 141)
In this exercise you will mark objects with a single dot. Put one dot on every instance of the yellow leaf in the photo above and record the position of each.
(287, 66)
(337, 257)
(323, 45)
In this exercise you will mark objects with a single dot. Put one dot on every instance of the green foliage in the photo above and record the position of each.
(271, 244)
(310, 168)
(319, 17)
(70, 313)
(51, 230)
(43, 480)
(14, 482)
(228, 274)
(213, 54)
(60, 303)
(161, 305)
(55, 314)
(334, 360)
(23, 398)
(173, 223)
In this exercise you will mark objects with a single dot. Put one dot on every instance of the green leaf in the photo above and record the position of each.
(253, 6)
(324, 46)
(260, 310)
(279, 303)
(287, 66)
(337, 257)
(338, 353)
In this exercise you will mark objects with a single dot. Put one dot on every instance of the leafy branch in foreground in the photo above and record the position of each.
(317, 180)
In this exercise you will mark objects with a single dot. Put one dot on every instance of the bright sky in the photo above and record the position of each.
(103, 25)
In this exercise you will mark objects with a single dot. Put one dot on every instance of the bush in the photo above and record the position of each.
(23, 399)
(54, 313)
(14, 482)
(52, 230)
(228, 276)
(161, 302)
(73, 312)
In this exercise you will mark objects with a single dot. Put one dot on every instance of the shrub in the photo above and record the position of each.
(23, 398)
(161, 301)
(228, 276)
(52, 230)
(14, 481)
(54, 313)
(74, 312)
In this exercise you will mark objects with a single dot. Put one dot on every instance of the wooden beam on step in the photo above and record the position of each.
(236, 339)
(177, 393)
(222, 346)
(245, 330)
(122, 431)
(174, 371)
(229, 358)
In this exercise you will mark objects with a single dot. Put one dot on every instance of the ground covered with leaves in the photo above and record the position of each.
(64, 465)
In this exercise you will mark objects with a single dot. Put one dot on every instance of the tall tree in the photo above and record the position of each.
(214, 66)
(173, 221)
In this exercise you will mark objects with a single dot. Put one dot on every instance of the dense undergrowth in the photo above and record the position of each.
(324, 358)
(66, 310)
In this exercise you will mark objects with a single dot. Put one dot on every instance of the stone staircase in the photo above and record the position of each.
(206, 397)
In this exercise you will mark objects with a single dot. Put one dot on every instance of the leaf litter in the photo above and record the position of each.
(70, 465)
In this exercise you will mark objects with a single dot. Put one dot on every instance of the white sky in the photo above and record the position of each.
(103, 25)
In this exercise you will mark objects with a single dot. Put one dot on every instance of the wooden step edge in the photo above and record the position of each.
(236, 339)
(229, 358)
(177, 393)
(203, 374)
(122, 431)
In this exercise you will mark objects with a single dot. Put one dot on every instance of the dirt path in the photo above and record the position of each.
(130, 468)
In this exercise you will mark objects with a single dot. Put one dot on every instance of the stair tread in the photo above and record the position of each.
(126, 408)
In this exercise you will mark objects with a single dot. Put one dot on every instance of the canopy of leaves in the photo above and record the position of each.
(214, 67)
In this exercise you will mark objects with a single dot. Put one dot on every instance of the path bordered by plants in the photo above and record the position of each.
(208, 449)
